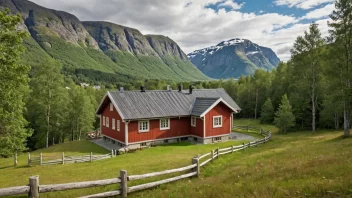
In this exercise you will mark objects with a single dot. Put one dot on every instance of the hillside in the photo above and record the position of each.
(233, 58)
(99, 50)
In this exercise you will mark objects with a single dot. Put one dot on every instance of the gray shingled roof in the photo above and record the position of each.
(156, 104)
(201, 105)
(215, 93)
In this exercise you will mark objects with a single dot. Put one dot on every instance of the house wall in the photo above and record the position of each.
(198, 130)
(108, 131)
(178, 127)
(219, 109)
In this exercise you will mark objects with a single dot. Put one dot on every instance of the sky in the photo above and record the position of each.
(196, 24)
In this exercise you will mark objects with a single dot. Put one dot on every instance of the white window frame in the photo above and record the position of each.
(143, 130)
(107, 122)
(113, 123)
(216, 125)
(118, 125)
(161, 121)
(111, 107)
(103, 120)
(193, 121)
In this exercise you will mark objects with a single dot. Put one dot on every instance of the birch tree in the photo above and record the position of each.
(306, 55)
(13, 86)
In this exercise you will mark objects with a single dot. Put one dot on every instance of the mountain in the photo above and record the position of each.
(99, 51)
(233, 58)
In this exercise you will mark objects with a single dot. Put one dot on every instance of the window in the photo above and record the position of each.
(143, 126)
(113, 123)
(216, 139)
(118, 125)
(111, 107)
(103, 120)
(107, 122)
(164, 124)
(217, 121)
(193, 121)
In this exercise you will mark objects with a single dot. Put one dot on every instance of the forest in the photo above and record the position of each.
(44, 105)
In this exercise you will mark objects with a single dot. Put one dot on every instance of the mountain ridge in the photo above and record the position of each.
(233, 58)
(96, 50)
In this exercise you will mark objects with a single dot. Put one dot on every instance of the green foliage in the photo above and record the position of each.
(267, 113)
(81, 112)
(284, 117)
(46, 104)
(13, 86)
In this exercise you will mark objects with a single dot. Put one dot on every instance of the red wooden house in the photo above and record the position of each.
(135, 119)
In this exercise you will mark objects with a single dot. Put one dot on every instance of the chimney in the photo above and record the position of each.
(180, 87)
(121, 89)
(142, 89)
(190, 89)
(168, 87)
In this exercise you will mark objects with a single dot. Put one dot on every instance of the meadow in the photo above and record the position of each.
(299, 164)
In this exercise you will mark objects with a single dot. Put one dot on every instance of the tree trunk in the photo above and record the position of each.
(48, 126)
(313, 115)
(80, 133)
(256, 104)
(345, 121)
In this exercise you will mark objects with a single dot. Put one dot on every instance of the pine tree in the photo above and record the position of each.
(267, 113)
(13, 86)
(341, 34)
(284, 117)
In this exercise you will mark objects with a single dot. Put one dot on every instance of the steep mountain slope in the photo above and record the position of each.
(97, 49)
(233, 58)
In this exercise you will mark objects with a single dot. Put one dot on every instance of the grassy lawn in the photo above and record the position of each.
(299, 164)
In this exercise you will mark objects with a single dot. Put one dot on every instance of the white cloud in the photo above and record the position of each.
(189, 22)
(303, 4)
(320, 12)
(229, 3)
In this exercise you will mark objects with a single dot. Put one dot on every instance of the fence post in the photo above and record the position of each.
(243, 146)
(212, 154)
(29, 159)
(91, 156)
(256, 143)
(112, 153)
(249, 144)
(197, 168)
(41, 158)
(232, 149)
(33, 187)
(15, 159)
(217, 151)
(123, 184)
(63, 158)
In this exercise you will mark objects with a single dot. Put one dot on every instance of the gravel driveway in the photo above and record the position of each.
(241, 136)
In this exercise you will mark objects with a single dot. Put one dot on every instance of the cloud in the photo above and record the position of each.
(229, 3)
(320, 12)
(302, 4)
(191, 23)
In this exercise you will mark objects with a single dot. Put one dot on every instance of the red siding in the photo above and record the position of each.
(220, 109)
(108, 131)
(178, 127)
(198, 130)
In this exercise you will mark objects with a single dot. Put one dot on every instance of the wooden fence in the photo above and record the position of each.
(50, 160)
(34, 188)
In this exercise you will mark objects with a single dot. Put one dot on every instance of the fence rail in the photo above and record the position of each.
(51, 160)
(33, 189)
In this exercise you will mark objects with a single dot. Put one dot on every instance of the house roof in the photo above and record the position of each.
(202, 104)
(133, 105)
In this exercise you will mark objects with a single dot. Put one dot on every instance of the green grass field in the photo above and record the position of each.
(299, 164)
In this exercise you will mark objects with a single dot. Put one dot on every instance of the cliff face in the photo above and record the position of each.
(99, 46)
(233, 58)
